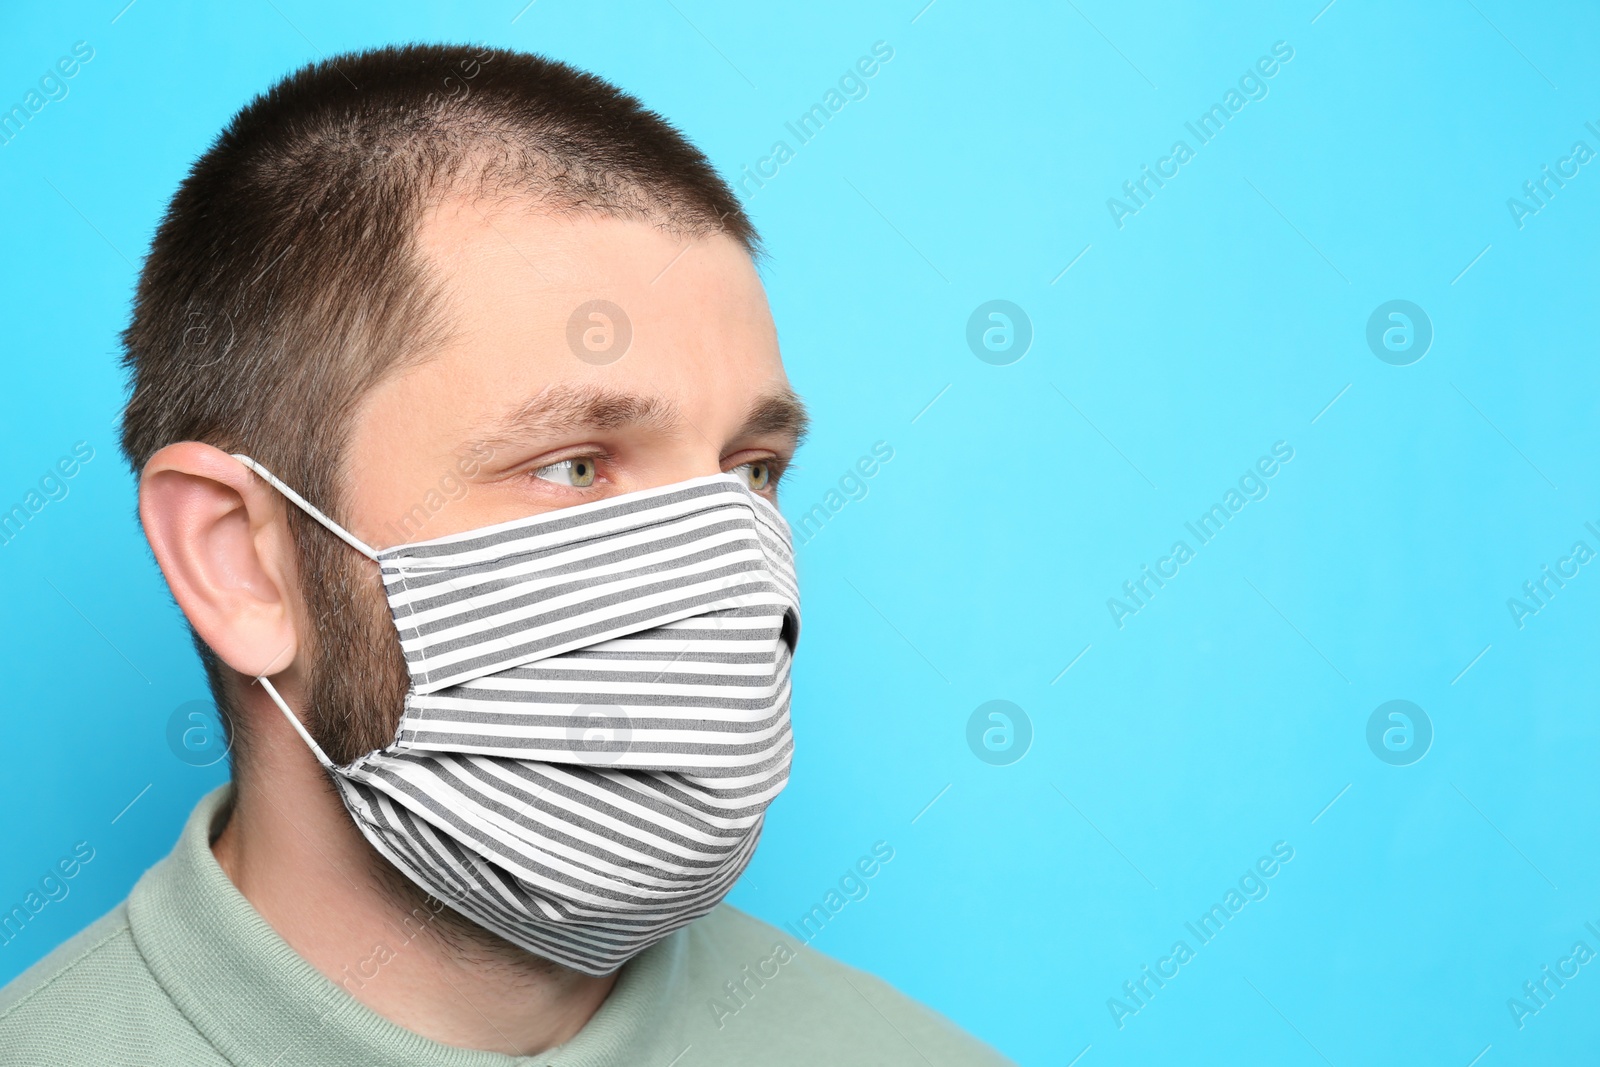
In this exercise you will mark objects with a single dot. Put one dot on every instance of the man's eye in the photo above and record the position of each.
(757, 475)
(577, 473)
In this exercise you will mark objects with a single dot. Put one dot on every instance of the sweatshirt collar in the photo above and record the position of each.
(258, 1002)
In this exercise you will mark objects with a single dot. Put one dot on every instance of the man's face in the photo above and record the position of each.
(508, 419)
(522, 413)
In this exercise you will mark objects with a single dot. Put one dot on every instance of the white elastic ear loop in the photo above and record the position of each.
(322, 757)
(338, 531)
(310, 509)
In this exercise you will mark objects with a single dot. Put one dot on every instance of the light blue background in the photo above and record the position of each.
(1223, 317)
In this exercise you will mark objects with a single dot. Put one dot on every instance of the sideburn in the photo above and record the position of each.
(358, 676)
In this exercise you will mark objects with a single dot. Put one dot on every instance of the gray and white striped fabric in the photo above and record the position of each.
(598, 717)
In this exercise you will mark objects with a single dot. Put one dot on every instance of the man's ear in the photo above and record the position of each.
(221, 537)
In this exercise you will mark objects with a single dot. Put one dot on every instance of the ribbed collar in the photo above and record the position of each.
(258, 1002)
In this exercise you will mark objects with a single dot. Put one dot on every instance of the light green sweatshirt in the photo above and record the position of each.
(185, 973)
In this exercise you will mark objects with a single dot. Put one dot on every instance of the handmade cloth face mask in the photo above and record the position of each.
(598, 714)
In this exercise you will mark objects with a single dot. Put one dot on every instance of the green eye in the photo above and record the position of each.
(757, 475)
(577, 473)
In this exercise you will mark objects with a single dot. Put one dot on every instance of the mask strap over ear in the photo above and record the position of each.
(342, 534)
(310, 509)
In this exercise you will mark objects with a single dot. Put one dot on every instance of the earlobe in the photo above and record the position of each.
(221, 540)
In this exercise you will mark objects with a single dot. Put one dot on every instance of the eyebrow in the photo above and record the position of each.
(560, 409)
(782, 413)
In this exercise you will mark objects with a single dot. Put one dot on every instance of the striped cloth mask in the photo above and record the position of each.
(598, 713)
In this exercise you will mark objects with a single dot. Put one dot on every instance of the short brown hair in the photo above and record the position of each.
(284, 280)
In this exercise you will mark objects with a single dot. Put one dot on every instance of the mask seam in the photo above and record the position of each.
(416, 633)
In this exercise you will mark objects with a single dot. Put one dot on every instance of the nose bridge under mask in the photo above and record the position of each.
(489, 600)
(479, 601)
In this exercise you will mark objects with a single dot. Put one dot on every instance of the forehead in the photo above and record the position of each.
(514, 266)
(521, 289)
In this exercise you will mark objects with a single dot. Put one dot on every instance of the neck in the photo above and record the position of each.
(292, 850)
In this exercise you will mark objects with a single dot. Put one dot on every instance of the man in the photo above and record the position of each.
(459, 418)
